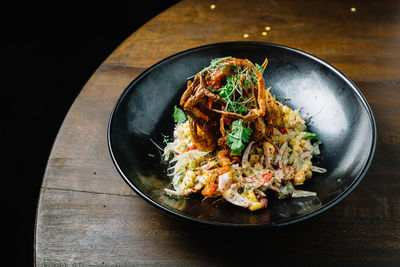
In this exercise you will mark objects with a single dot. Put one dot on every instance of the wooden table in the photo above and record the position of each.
(88, 215)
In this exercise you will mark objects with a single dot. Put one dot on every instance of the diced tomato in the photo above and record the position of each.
(283, 130)
(267, 177)
(192, 147)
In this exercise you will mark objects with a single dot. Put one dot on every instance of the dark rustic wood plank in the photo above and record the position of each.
(80, 159)
(118, 227)
(89, 228)
(364, 44)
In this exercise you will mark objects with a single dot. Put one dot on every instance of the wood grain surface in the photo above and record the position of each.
(88, 215)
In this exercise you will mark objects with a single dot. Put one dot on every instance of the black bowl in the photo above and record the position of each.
(340, 116)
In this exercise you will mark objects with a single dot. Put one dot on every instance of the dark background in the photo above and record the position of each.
(48, 54)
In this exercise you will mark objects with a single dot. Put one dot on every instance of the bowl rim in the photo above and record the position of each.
(320, 210)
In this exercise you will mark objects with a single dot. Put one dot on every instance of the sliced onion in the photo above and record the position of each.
(306, 155)
(302, 193)
(318, 169)
(316, 150)
(232, 195)
(246, 153)
(174, 193)
(281, 153)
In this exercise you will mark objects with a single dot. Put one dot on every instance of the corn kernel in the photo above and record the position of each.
(286, 109)
(206, 178)
(296, 148)
(303, 143)
(187, 182)
(267, 146)
(308, 174)
(191, 174)
(254, 158)
(213, 163)
(306, 166)
(299, 177)
(255, 206)
(181, 147)
(281, 139)
(251, 196)
(192, 164)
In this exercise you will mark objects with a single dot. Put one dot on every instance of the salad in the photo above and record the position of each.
(234, 140)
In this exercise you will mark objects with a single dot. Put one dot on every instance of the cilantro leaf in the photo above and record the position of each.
(239, 135)
(179, 115)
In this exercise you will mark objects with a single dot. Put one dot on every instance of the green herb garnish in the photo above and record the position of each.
(177, 197)
(280, 99)
(221, 199)
(239, 135)
(216, 62)
(166, 138)
(312, 136)
(150, 155)
(213, 90)
(260, 68)
(174, 197)
(179, 115)
(232, 94)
